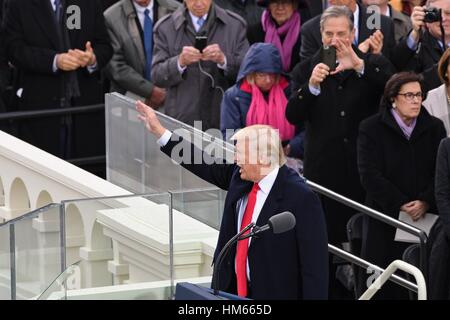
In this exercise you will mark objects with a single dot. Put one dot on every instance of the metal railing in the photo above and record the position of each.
(49, 113)
(366, 265)
(45, 113)
(394, 266)
(380, 217)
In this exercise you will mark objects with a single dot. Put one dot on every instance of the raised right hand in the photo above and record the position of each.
(148, 116)
(417, 17)
(319, 74)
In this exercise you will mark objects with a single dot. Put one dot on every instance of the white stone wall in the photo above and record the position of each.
(117, 242)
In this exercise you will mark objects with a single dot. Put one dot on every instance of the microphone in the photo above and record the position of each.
(278, 223)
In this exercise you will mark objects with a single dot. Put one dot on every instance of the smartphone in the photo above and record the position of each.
(201, 42)
(329, 57)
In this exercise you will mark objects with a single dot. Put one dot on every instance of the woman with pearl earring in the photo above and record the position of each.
(438, 101)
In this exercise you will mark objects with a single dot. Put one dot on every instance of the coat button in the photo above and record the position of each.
(377, 69)
(345, 140)
(340, 88)
(300, 97)
(342, 113)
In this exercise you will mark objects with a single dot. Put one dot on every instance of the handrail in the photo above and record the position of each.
(378, 216)
(406, 267)
(366, 265)
(16, 115)
(30, 215)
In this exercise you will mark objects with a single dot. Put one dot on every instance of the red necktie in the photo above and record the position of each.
(242, 246)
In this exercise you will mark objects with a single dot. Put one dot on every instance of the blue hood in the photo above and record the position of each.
(260, 57)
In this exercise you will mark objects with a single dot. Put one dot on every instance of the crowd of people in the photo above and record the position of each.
(367, 118)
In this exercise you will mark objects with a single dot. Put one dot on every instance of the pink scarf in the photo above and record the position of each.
(290, 30)
(271, 113)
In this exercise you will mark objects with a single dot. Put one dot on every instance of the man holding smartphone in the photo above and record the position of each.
(331, 104)
(195, 80)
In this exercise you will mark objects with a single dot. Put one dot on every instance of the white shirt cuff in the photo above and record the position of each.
(55, 66)
(315, 91)
(92, 68)
(361, 73)
(165, 138)
(180, 69)
(224, 65)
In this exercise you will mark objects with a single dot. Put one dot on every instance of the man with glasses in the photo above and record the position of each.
(331, 104)
(421, 50)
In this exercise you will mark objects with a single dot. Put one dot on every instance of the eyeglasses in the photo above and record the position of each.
(410, 95)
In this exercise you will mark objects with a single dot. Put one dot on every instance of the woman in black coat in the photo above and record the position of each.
(396, 160)
(286, 17)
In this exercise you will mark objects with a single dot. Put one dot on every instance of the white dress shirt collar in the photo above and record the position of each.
(267, 182)
(52, 2)
(356, 23)
(141, 11)
(194, 20)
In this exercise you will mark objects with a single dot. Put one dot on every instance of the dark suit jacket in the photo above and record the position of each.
(292, 265)
(424, 60)
(32, 43)
(315, 6)
(442, 184)
(249, 10)
(312, 38)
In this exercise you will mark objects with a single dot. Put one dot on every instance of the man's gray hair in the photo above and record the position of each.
(337, 12)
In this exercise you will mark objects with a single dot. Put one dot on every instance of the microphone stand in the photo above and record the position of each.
(223, 253)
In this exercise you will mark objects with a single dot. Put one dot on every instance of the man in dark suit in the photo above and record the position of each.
(331, 105)
(59, 48)
(292, 265)
(312, 38)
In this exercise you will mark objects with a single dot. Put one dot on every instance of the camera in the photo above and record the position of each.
(432, 15)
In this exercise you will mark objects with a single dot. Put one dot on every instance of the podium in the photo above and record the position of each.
(190, 291)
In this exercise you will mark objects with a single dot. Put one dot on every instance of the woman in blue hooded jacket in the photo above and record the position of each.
(260, 96)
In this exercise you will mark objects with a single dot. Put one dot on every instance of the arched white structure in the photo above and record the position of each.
(19, 200)
(2, 194)
(114, 248)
